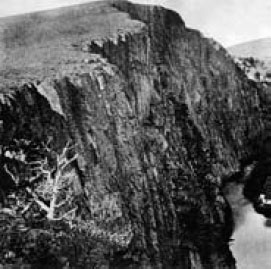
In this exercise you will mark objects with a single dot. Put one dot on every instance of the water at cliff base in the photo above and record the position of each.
(252, 237)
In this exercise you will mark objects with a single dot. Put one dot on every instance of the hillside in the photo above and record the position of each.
(254, 58)
(44, 44)
(260, 49)
(158, 116)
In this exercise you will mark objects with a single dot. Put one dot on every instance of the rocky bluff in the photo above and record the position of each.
(158, 113)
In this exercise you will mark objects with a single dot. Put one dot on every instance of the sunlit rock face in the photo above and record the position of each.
(157, 112)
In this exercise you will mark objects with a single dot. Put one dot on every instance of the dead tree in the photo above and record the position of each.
(56, 186)
(50, 186)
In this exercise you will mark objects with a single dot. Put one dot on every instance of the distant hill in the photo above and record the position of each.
(254, 57)
(260, 49)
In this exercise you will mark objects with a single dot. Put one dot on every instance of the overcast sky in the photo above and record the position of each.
(228, 21)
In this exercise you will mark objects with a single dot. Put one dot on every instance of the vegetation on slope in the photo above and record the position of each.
(44, 223)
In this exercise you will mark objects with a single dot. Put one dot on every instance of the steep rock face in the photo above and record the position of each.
(159, 114)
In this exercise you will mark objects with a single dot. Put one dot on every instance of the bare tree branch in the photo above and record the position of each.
(26, 208)
(68, 162)
(53, 192)
(37, 200)
(67, 199)
(13, 177)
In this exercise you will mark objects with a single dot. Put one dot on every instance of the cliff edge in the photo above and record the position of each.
(159, 114)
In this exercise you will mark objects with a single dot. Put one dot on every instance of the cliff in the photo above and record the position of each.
(159, 114)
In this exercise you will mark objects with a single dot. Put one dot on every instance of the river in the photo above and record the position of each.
(252, 236)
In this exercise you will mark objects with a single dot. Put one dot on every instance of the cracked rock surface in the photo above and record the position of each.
(157, 111)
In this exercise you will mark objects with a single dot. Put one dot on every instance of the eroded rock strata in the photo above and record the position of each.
(158, 112)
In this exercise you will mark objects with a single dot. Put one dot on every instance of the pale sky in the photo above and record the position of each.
(228, 21)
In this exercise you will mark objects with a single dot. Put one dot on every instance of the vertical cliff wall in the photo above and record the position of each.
(159, 114)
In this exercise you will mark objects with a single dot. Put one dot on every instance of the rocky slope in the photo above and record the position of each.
(159, 115)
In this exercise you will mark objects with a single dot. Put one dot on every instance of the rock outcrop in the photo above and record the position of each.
(159, 114)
